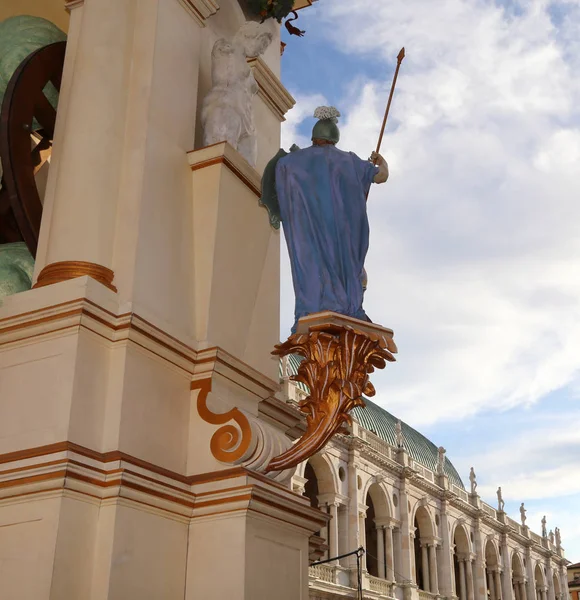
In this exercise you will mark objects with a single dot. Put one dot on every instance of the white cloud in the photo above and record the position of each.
(475, 243)
(539, 464)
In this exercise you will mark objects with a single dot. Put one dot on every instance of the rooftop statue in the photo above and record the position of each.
(500, 502)
(441, 460)
(227, 113)
(320, 195)
(523, 514)
(399, 434)
(544, 528)
(473, 480)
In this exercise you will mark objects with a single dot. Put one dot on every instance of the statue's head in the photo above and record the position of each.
(254, 38)
(326, 129)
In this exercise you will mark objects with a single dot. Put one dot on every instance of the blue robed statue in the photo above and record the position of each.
(319, 194)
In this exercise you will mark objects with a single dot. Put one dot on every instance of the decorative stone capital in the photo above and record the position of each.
(339, 353)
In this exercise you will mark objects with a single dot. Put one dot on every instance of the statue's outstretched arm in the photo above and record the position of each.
(383, 173)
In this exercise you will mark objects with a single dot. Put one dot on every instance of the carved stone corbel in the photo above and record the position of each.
(339, 353)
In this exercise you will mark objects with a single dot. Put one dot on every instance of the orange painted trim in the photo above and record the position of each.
(71, 269)
(228, 443)
(103, 457)
(218, 160)
(220, 501)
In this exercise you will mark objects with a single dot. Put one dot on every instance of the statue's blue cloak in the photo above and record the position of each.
(322, 198)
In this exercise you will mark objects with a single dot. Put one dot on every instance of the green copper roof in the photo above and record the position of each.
(382, 423)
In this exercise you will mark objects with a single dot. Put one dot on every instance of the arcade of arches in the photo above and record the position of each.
(424, 535)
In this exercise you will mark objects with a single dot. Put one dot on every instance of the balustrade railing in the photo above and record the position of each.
(376, 443)
(461, 493)
(488, 510)
(380, 586)
(537, 538)
(423, 595)
(322, 573)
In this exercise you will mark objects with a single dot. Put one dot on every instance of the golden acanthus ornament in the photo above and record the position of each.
(336, 366)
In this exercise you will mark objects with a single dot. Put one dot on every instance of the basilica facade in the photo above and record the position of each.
(389, 490)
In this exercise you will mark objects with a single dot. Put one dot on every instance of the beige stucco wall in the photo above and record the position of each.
(53, 10)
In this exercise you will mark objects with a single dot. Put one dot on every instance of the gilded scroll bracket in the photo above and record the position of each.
(339, 354)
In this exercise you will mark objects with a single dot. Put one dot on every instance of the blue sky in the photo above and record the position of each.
(475, 238)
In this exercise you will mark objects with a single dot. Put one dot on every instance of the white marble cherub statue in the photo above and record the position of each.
(227, 112)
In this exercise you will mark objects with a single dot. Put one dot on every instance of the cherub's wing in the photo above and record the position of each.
(269, 197)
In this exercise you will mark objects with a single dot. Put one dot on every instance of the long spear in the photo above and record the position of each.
(400, 58)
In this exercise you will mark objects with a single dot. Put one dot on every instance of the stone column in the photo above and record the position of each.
(363, 538)
(414, 575)
(381, 551)
(80, 209)
(529, 579)
(407, 548)
(507, 587)
(434, 580)
(480, 582)
(390, 554)
(550, 580)
(397, 551)
(425, 567)
(333, 526)
(469, 572)
(447, 583)
(354, 536)
(497, 584)
(324, 531)
(462, 583)
(491, 585)
(523, 594)
(517, 594)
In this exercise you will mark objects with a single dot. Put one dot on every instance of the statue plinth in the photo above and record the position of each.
(339, 354)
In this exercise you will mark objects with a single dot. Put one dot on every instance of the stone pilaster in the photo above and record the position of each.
(506, 580)
(480, 583)
(447, 583)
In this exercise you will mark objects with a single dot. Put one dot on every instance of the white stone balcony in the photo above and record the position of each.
(322, 573)
(379, 586)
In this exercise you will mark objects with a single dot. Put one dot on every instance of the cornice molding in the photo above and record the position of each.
(271, 90)
(223, 154)
(200, 10)
(68, 469)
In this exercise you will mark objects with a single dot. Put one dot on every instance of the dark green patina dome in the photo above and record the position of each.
(382, 423)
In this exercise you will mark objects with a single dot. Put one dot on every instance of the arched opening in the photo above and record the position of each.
(556, 584)
(540, 583)
(378, 534)
(425, 552)
(518, 579)
(311, 485)
(319, 488)
(462, 564)
(492, 571)
(371, 539)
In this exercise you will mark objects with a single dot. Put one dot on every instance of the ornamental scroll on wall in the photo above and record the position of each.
(337, 361)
